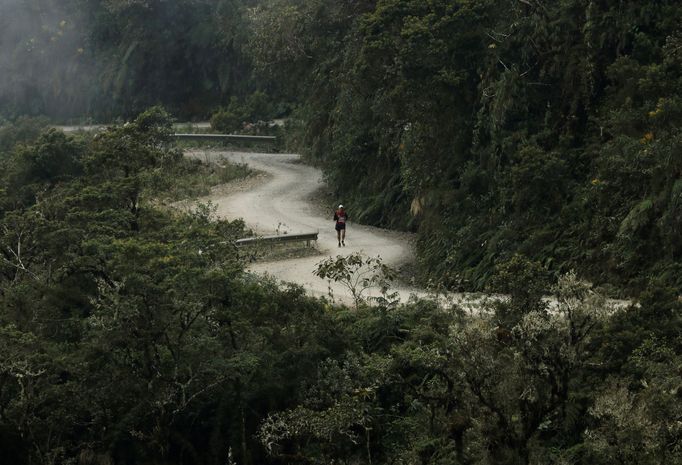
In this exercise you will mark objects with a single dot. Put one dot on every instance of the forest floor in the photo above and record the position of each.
(281, 200)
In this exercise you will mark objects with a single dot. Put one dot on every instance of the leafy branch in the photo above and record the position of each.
(358, 273)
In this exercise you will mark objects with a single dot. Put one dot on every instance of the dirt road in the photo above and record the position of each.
(281, 204)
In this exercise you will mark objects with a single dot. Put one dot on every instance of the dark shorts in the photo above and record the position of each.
(340, 226)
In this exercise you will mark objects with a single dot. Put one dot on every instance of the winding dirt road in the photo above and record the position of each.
(281, 204)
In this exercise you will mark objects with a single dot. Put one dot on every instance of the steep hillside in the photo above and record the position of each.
(496, 128)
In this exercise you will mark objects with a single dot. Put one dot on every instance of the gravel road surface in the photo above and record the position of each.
(280, 204)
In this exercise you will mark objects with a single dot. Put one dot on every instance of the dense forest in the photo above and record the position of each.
(105, 60)
(533, 147)
(548, 129)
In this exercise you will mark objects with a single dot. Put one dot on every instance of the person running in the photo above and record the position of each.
(341, 216)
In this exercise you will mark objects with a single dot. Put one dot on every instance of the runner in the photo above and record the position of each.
(340, 216)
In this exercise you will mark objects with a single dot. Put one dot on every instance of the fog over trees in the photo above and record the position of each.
(75, 59)
(43, 61)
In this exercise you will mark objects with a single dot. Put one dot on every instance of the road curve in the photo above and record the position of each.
(281, 204)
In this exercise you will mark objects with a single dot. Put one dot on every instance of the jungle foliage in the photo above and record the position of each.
(130, 334)
(520, 139)
(494, 128)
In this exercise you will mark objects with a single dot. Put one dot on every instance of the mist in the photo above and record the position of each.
(45, 66)
(73, 60)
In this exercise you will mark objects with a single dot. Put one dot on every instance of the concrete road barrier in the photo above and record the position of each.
(307, 237)
(226, 137)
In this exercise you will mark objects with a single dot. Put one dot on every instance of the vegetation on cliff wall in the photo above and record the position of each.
(549, 129)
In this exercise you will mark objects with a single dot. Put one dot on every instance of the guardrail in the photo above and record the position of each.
(307, 237)
(226, 137)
